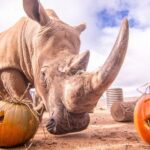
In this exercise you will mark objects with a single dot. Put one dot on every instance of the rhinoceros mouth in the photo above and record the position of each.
(74, 123)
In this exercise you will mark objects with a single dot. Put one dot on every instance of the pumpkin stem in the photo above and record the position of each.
(1, 116)
(148, 122)
(144, 89)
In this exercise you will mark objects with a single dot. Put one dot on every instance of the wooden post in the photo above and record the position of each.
(123, 111)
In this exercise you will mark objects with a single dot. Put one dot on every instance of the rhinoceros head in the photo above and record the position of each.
(61, 80)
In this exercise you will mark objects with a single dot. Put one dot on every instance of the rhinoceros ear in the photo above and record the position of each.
(52, 13)
(35, 11)
(80, 28)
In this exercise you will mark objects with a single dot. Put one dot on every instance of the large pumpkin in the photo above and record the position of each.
(18, 124)
(142, 117)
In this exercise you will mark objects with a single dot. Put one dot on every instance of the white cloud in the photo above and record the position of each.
(140, 11)
(136, 70)
(10, 12)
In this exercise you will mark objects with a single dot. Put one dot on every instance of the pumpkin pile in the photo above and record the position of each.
(18, 123)
(142, 117)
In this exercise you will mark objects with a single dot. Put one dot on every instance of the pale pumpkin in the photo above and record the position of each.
(142, 117)
(18, 124)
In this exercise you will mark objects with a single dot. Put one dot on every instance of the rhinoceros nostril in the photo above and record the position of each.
(51, 124)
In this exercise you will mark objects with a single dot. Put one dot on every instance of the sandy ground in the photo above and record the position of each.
(103, 133)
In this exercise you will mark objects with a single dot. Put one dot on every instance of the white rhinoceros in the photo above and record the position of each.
(44, 51)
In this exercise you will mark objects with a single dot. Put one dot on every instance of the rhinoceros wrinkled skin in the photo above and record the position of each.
(44, 51)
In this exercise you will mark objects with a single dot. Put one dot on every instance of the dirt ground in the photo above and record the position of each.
(103, 133)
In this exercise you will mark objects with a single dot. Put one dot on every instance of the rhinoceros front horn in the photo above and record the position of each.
(105, 76)
(82, 92)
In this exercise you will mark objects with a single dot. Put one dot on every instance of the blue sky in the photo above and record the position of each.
(103, 18)
(110, 19)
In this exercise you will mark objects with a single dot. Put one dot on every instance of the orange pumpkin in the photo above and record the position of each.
(17, 124)
(142, 117)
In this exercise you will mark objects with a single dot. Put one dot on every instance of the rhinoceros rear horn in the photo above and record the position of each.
(80, 62)
(35, 11)
(77, 63)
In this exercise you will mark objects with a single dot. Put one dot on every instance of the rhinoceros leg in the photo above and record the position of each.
(14, 83)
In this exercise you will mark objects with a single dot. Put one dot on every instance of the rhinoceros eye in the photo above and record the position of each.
(43, 79)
